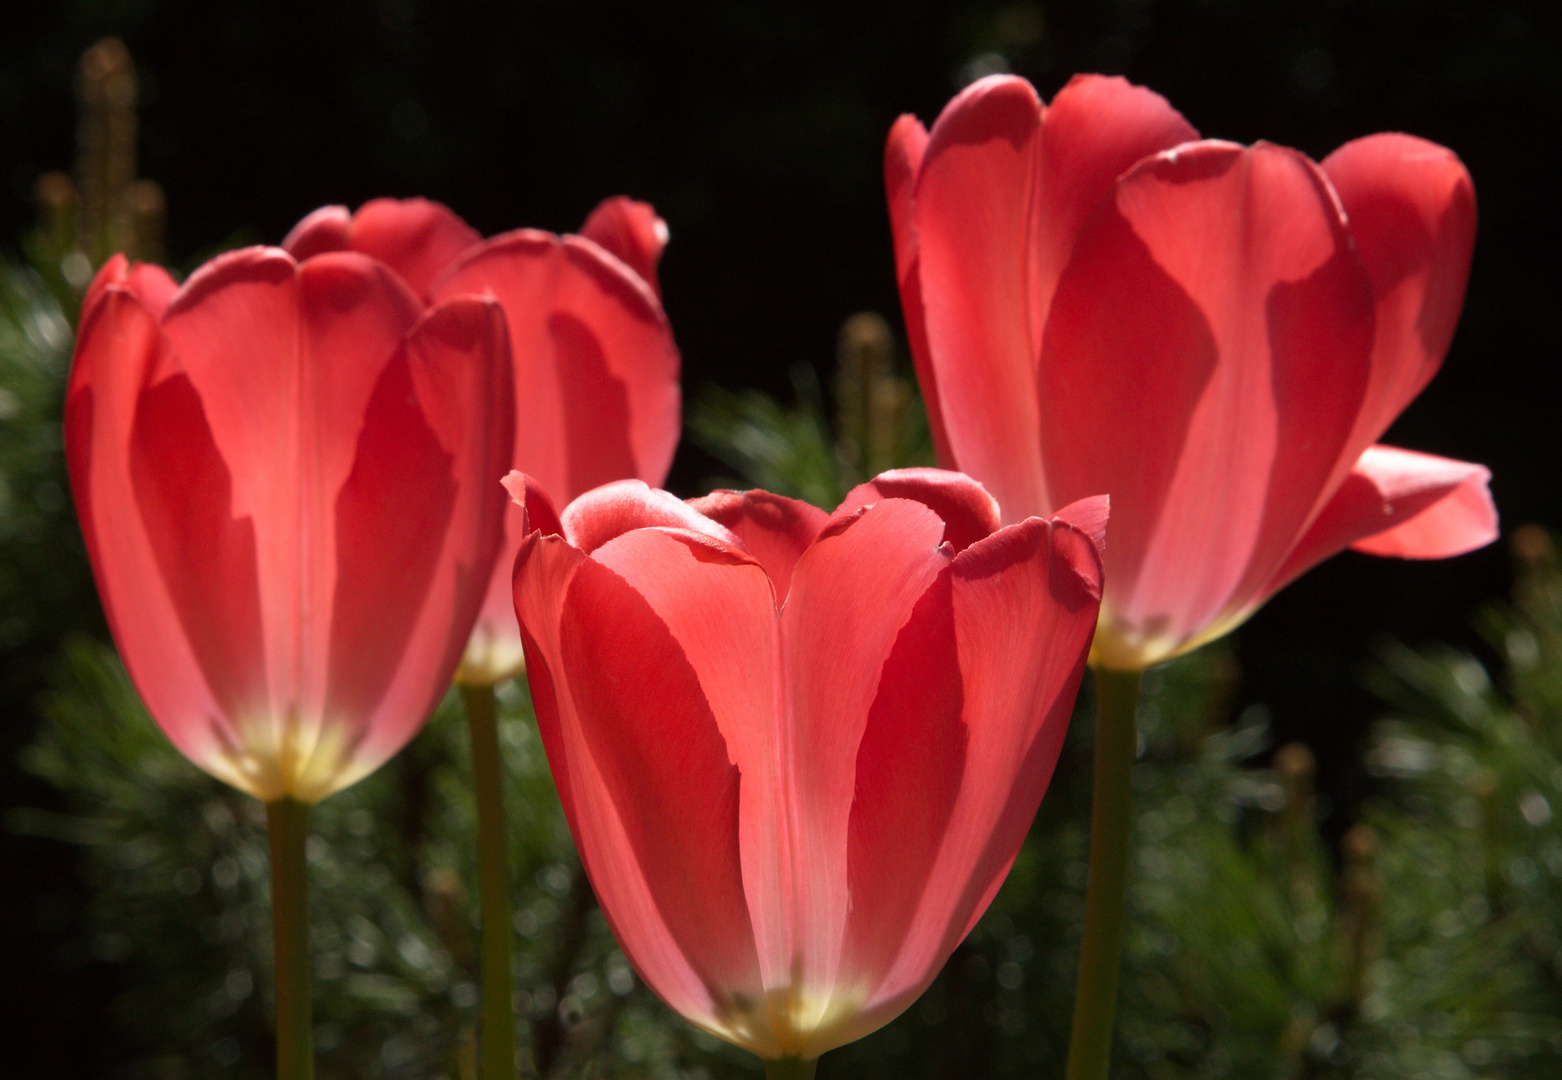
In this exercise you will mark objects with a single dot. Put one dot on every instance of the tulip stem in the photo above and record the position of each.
(287, 822)
(497, 1044)
(1111, 820)
(790, 1068)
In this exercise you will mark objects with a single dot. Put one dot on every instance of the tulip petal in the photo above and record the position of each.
(148, 282)
(1245, 358)
(773, 529)
(910, 764)
(666, 773)
(205, 554)
(1411, 208)
(544, 570)
(437, 421)
(285, 358)
(851, 594)
(530, 496)
(975, 290)
(1019, 612)
(1096, 129)
(417, 238)
(1398, 502)
(631, 232)
(614, 509)
(329, 228)
(902, 161)
(119, 351)
(968, 511)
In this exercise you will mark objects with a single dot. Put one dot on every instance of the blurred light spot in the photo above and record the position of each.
(1535, 808)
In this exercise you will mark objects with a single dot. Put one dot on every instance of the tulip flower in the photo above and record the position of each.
(1215, 335)
(596, 370)
(799, 751)
(284, 474)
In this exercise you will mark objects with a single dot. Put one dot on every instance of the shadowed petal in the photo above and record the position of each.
(329, 228)
(631, 232)
(439, 421)
(773, 529)
(969, 513)
(1411, 209)
(417, 238)
(1399, 502)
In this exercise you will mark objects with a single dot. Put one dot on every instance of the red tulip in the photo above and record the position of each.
(285, 473)
(799, 751)
(1213, 334)
(596, 370)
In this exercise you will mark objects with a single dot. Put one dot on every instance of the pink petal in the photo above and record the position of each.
(968, 512)
(631, 232)
(1090, 516)
(148, 282)
(1097, 128)
(285, 359)
(970, 217)
(1018, 610)
(851, 594)
(1411, 209)
(205, 555)
(1217, 411)
(545, 567)
(1399, 502)
(614, 509)
(719, 608)
(910, 765)
(670, 764)
(329, 228)
(902, 161)
(421, 508)
(417, 238)
(773, 529)
(528, 494)
(119, 350)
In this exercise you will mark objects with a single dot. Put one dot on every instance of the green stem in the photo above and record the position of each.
(493, 866)
(287, 822)
(790, 1068)
(1111, 820)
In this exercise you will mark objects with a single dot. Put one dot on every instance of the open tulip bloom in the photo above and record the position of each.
(798, 751)
(285, 474)
(1214, 335)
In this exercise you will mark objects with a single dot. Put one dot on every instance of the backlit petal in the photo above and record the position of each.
(1411, 209)
(1216, 411)
(631, 232)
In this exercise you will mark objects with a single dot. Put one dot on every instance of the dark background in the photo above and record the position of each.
(756, 128)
